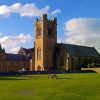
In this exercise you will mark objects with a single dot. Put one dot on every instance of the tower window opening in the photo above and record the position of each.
(38, 54)
(50, 31)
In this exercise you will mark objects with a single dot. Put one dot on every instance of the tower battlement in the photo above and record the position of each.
(44, 17)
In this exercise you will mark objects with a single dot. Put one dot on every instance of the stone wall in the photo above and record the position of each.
(14, 65)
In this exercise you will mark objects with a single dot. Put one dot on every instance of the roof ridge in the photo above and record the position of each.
(76, 45)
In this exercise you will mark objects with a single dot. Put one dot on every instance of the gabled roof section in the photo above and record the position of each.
(77, 50)
(26, 51)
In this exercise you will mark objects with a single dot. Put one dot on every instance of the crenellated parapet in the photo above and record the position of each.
(44, 18)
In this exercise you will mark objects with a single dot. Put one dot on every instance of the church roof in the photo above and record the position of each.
(15, 57)
(77, 50)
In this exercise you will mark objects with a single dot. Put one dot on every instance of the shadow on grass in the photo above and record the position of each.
(63, 78)
(18, 77)
(5, 78)
(88, 71)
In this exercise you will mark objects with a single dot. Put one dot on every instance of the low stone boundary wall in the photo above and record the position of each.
(97, 70)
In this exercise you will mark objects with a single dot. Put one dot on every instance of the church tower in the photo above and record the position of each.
(45, 42)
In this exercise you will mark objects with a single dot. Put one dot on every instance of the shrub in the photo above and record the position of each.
(91, 65)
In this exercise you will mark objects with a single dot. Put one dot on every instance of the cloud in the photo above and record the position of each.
(12, 43)
(83, 31)
(29, 10)
(54, 12)
(15, 50)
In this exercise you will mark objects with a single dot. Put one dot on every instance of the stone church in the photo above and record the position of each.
(59, 56)
(47, 54)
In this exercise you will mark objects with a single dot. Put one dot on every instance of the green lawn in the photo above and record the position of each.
(84, 86)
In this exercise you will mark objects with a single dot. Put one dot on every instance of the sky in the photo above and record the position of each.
(78, 22)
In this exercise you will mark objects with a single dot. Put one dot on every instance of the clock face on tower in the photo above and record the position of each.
(38, 29)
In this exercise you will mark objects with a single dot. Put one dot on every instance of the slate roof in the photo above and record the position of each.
(15, 57)
(77, 50)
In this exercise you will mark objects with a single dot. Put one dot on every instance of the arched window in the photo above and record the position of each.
(38, 53)
(49, 30)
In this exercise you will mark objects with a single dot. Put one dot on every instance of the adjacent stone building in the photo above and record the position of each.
(13, 62)
(73, 57)
(30, 54)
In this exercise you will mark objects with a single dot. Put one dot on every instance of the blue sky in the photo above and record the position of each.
(78, 21)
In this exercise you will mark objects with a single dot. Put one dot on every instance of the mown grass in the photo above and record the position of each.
(39, 87)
